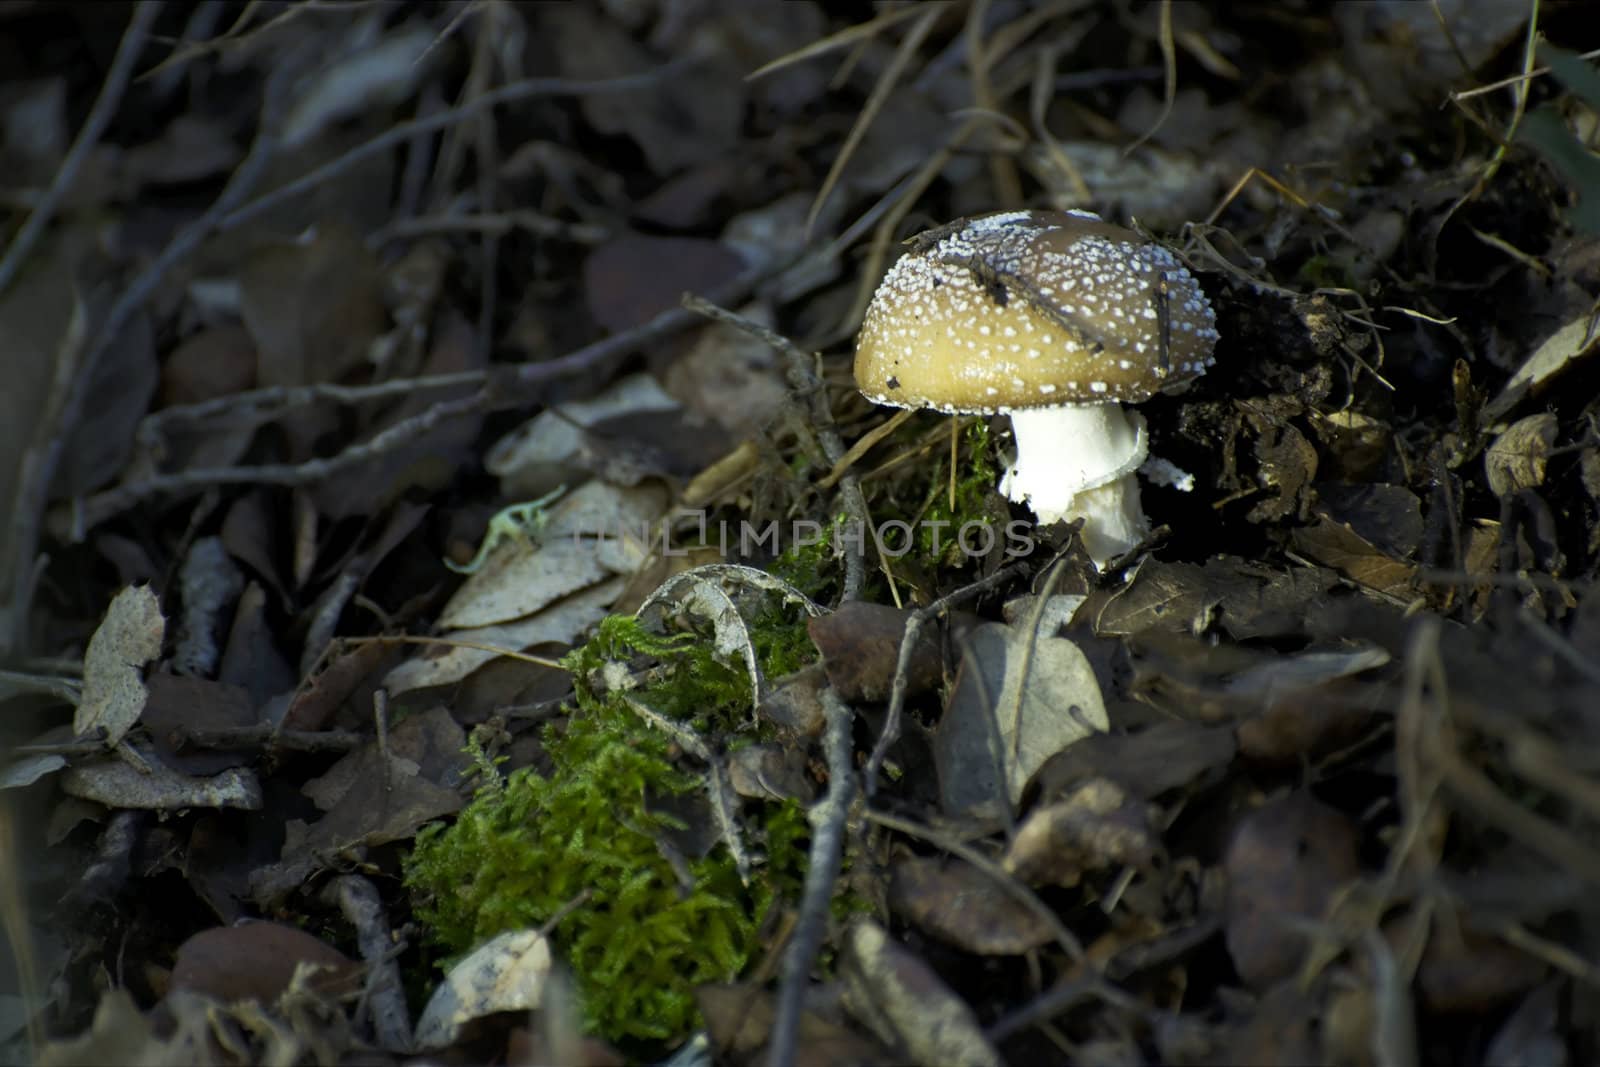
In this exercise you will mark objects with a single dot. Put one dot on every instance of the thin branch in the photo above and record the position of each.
(500, 388)
(405, 131)
(496, 223)
(77, 368)
(257, 406)
(267, 736)
(105, 106)
(359, 902)
(822, 872)
(105, 505)
(803, 381)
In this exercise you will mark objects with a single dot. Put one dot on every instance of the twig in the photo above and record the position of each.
(804, 381)
(875, 102)
(501, 388)
(902, 669)
(105, 106)
(262, 405)
(822, 871)
(266, 735)
(105, 505)
(497, 223)
(74, 373)
(397, 135)
(1169, 65)
(359, 903)
(718, 789)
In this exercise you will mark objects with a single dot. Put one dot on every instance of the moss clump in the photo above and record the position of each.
(940, 523)
(648, 930)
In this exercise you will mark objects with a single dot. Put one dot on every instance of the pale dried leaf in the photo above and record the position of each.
(595, 532)
(29, 769)
(1012, 709)
(368, 81)
(1567, 345)
(117, 784)
(1516, 460)
(509, 973)
(561, 622)
(902, 1000)
(1098, 825)
(113, 667)
(537, 455)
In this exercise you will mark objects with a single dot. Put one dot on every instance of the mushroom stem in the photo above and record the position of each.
(1081, 461)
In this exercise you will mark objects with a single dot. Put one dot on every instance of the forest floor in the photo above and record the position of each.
(441, 614)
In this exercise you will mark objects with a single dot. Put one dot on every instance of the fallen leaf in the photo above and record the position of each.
(1531, 1034)
(363, 77)
(373, 795)
(1097, 825)
(1338, 546)
(1017, 701)
(1467, 973)
(1284, 863)
(1245, 599)
(905, 1003)
(21, 773)
(1556, 354)
(632, 278)
(1516, 459)
(770, 772)
(177, 706)
(860, 646)
(964, 906)
(117, 394)
(587, 536)
(692, 116)
(739, 1021)
(117, 784)
(257, 961)
(508, 973)
(1149, 762)
(562, 621)
(113, 667)
(42, 320)
(731, 377)
(313, 308)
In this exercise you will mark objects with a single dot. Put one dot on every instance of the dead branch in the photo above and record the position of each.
(805, 383)
(828, 819)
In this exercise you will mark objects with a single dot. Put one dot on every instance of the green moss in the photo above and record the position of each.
(646, 932)
(811, 567)
(975, 482)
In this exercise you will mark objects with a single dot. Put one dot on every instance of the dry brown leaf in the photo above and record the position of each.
(1097, 825)
(960, 904)
(1340, 547)
(1284, 863)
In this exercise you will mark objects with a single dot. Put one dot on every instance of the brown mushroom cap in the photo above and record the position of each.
(1028, 309)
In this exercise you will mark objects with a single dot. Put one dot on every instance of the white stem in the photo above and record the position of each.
(1081, 462)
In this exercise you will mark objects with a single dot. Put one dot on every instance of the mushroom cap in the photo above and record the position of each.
(1028, 309)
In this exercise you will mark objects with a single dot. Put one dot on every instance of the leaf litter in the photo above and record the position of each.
(301, 302)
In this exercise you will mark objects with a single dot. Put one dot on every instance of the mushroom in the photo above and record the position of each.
(1057, 319)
